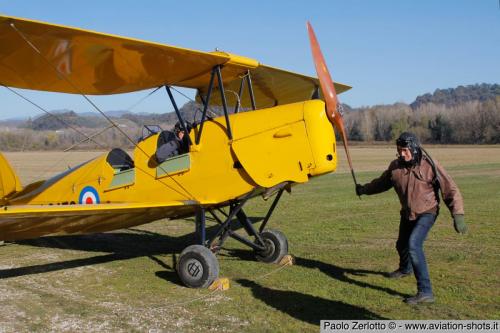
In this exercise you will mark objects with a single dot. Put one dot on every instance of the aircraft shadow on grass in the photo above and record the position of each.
(305, 307)
(310, 308)
(116, 246)
(335, 272)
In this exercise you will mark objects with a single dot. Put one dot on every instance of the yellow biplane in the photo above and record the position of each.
(230, 158)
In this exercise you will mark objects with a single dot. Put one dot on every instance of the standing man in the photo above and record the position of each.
(417, 180)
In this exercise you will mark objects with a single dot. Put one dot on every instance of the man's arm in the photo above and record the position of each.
(378, 185)
(450, 192)
(167, 150)
(452, 198)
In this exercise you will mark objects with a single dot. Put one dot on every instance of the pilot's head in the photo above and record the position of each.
(179, 131)
(409, 152)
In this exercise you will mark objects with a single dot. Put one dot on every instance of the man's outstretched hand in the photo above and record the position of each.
(359, 189)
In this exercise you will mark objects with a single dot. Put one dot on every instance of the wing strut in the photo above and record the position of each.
(177, 112)
(215, 71)
(224, 103)
(250, 90)
(205, 105)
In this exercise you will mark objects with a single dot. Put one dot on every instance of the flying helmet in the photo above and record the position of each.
(410, 141)
(178, 126)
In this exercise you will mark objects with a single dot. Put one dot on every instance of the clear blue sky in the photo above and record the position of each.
(389, 51)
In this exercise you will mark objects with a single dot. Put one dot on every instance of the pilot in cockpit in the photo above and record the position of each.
(172, 143)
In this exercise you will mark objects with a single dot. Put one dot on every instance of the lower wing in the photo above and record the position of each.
(25, 222)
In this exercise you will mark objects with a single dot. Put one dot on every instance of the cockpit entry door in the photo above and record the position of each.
(123, 166)
(174, 165)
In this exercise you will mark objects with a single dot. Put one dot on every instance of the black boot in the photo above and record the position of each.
(420, 298)
(397, 274)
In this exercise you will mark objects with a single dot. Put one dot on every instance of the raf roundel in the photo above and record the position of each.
(89, 196)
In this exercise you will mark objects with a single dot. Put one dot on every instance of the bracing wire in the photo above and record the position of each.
(54, 115)
(20, 33)
(87, 138)
(192, 100)
(143, 99)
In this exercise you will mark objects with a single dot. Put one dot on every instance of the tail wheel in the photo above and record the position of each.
(276, 246)
(197, 267)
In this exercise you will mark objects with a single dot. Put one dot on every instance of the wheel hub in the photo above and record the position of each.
(194, 268)
(270, 248)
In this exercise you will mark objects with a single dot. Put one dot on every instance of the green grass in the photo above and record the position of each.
(124, 280)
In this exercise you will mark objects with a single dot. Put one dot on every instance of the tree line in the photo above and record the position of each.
(471, 122)
(462, 115)
(25, 139)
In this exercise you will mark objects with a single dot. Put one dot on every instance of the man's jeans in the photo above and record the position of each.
(410, 244)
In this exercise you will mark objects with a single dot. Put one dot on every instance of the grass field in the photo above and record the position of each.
(124, 280)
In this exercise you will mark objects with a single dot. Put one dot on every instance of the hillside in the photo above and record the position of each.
(64, 119)
(461, 94)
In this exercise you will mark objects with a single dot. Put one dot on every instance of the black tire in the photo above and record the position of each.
(276, 246)
(197, 267)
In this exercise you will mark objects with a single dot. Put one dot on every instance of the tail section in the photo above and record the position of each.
(9, 182)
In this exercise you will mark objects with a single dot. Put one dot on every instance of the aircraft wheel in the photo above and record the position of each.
(276, 246)
(197, 267)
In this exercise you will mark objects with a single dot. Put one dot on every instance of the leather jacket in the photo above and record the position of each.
(415, 188)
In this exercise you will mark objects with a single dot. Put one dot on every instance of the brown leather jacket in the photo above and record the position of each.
(415, 189)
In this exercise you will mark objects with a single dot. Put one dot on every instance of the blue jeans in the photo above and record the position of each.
(412, 235)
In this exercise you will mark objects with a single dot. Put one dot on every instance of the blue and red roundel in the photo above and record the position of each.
(89, 196)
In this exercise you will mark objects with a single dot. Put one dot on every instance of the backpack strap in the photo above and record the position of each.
(435, 179)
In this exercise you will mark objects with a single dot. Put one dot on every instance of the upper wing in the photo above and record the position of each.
(271, 87)
(25, 222)
(42, 56)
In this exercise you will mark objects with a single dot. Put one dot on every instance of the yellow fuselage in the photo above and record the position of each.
(287, 143)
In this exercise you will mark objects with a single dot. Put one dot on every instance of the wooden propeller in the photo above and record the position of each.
(329, 94)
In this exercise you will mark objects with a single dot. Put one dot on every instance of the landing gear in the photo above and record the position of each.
(197, 267)
(276, 247)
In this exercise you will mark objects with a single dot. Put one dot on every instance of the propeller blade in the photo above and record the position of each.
(329, 93)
